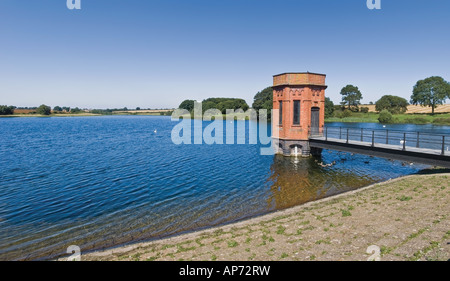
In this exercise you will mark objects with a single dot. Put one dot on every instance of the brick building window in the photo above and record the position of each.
(296, 112)
(281, 112)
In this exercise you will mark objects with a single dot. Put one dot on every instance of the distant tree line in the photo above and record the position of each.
(47, 110)
(221, 104)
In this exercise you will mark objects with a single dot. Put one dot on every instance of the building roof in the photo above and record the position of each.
(299, 73)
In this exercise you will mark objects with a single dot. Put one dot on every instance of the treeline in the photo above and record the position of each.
(42, 110)
(221, 104)
(47, 110)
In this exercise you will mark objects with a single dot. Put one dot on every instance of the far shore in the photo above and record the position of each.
(415, 115)
(406, 218)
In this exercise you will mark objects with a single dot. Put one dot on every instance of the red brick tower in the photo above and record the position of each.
(300, 99)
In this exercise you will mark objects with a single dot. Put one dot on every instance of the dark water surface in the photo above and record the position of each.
(103, 181)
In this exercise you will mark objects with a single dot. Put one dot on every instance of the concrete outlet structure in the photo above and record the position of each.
(300, 100)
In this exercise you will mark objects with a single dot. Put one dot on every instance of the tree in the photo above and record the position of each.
(432, 91)
(57, 108)
(187, 104)
(6, 110)
(393, 104)
(264, 100)
(351, 96)
(385, 117)
(44, 110)
(329, 108)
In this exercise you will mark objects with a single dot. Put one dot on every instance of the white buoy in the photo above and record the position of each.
(155, 131)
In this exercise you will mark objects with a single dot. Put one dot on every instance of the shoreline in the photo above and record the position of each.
(195, 240)
(329, 120)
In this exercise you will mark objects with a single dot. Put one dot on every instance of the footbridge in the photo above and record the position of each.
(418, 147)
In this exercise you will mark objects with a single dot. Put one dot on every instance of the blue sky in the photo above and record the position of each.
(157, 53)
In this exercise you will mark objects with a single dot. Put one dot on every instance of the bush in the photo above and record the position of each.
(364, 109)
(385, 117)
(346, 113)
(343, 114)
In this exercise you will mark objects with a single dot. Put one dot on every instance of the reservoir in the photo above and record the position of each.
(99, 182)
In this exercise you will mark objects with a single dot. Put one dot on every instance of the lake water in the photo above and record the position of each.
(99, 182)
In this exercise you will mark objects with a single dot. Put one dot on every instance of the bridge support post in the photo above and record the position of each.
(404, 141)
(289, 147)
(418, 139)
(443, 145)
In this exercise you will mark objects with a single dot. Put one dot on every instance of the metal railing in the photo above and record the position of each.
(390, 137)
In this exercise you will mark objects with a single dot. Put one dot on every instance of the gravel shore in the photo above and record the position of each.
(405, 218)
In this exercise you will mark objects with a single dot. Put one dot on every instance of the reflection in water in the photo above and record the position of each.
(299, 180)
(293, 181)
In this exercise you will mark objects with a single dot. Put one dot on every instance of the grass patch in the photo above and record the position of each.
(404, 198)
(181, 249)
(281, 229)
(346, 213)
(232, 244)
